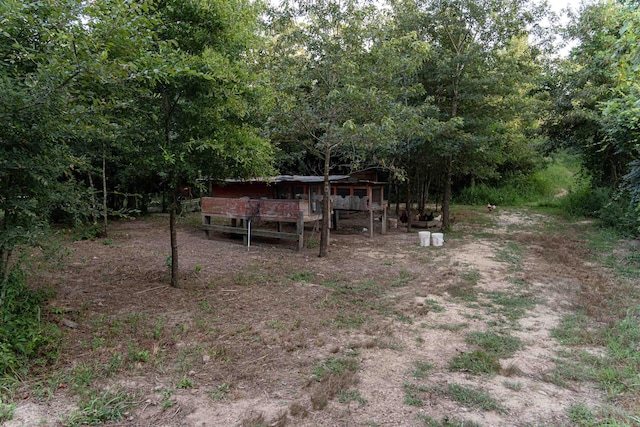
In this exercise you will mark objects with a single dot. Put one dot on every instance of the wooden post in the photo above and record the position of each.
(206, 220)
(370, 222)
(245, 236)
(300, 230)
(384, 219)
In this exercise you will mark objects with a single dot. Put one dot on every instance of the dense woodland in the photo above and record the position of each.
(105, 105)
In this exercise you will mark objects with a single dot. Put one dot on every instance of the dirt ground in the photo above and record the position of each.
(238, 342)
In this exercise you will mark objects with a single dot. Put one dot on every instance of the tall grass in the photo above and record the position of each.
(558, 176)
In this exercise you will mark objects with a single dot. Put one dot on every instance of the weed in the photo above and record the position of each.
(404, 318)
(412, 394)
(473, 397)
(198, 268)
(348, 396)
(303, 276)
(402, 280)
(136, 354)
(513, 306)
(108, 242)
(205, 306)
(447, 422)
(220, 392)
(463, 290)
(511, 385)
(576, 329)
(477, 362)
(451, 328)
(332, 376)
(114, 364)
(580, 415)
(24, 337)
(471, 276)
(344, 321)
(185, 383)
(511, 254)
(499, 344)
(98, 342)
(433, 305)
(421, 369)
(167, 402)
(168, 262)
(277, 325)
(82, 375)
(158, 328)
(6, 411)
(100, 408)
(334, 365)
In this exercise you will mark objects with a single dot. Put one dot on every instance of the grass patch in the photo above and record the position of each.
(303, 276)
(450, 327)
(512, 254)
(501, 345)
(471, 276)
(476, 362)
(472, 397)
(333, 376)
(412, 394)
(6, 411)
(348, 396)
(402, 279)
(447, 422)
(421, 369)
(100, 408)
(577, 329)
(512, 306)
(463, 291)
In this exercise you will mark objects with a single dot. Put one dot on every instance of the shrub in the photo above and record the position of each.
(23, 335)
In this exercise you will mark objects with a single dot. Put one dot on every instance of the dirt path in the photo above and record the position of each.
(240, 341)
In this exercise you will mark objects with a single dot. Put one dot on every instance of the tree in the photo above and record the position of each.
(193, 98)
(37, 168)
(480, 75)
(596, 92)
(334, 70)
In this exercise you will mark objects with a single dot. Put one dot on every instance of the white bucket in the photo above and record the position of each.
(437, 239)
(425, 236)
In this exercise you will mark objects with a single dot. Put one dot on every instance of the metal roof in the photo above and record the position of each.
(310, 179)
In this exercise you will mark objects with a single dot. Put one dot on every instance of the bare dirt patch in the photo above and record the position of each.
(240, 342)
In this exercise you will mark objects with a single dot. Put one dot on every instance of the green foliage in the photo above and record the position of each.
(476, 362)
(611, 209)
(554, 177)
(25, 337)
(302, 276)
(99, 408)
(422, 369)
(512, 305)
(448, 422)
(501, 345)
(473, 397)
(334, 365)
(6, 411)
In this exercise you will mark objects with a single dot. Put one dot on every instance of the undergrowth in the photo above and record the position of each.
(25, 336)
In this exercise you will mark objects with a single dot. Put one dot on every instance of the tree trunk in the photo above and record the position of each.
(94, 202)
(105, 211)
(326, 205)
(174, 240)
(408, 206)
(446, 199)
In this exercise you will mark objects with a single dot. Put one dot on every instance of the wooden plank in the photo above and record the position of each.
(254, 232)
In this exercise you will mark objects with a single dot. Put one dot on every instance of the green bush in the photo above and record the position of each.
(602, 203)
(24, 337)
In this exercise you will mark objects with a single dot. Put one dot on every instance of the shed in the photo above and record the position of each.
(289, 199)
